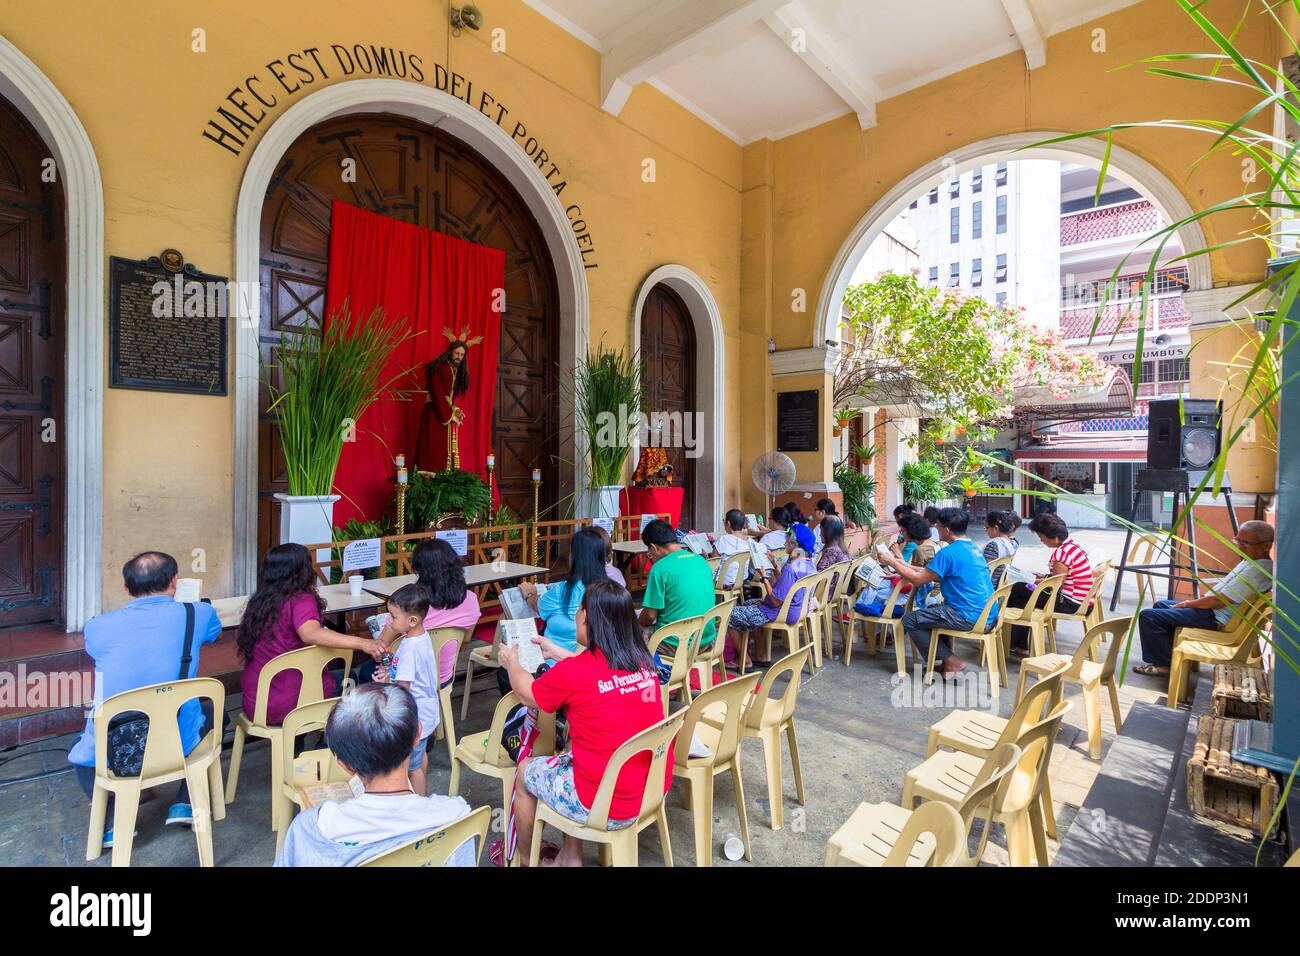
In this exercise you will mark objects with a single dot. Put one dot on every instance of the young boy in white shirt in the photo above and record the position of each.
(414, 665)
(735, 541)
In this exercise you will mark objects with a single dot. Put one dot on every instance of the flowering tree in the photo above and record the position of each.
(956, 357)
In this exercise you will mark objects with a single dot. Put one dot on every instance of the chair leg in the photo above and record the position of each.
(216, 790)
(929, 657)
(624, 850)
(236, 757)
(772, 759)
(900, 652)
(277, 764)
(995, 677)
(909, 791)
(465, 691)
(848, 639)
(740, 806)
(1019, 839)
(535, 847)
(702, 816)
(794, 761)
(1174, 695)
(1020, 682)
(1049, 812)
(201, 807)
(453, 788)
(1036, 829)
(1114, 704)
(450, 728)
(665, 839)
(931, 742)
(1092, 713)
(125, 805)
(98, 814)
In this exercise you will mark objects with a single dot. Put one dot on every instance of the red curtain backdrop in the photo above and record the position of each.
(427, 281)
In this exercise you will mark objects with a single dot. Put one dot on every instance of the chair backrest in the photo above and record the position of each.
(1039, 699)
(163, 749)
(730, 697)
(308, 662)
(986, 792)
(793, 665)
(657, 739)
(997, 599)
(436, 847)
(309, 767)
(805, 586)
(840, 575)
(740, 562)
(1035, 744)
(718, 615)
(821, 587)
(687, 631)
(1115, 630)
(895, 596)
(1250, 619)
(997, 564)
(441, 637)
(1099, 572)
(493, 754)
(1042, 600)
(1143, 551)
(943, 824)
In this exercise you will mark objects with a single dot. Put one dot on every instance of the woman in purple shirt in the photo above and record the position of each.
(752, 615)
(284, 614)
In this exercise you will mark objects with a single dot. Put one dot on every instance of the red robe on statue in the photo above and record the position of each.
(431, 444)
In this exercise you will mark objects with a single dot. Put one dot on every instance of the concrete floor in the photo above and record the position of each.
(855, 746)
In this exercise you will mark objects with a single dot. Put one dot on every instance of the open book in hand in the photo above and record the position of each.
(1016, 575)
(516, 606)
(759, 556)
(871, 573)
(520, 634)
(699, 543)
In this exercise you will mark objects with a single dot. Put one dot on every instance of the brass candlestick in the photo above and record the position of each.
(400, 461)
(537, 489)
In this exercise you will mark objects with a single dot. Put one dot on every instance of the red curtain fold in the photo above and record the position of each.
(426, 281)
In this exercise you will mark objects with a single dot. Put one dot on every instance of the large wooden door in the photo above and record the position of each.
(423, 176)
(32, 346)
(668, 382)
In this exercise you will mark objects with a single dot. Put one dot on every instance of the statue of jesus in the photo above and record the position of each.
(446, 379)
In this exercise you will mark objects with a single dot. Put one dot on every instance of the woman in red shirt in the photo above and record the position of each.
(610, 692)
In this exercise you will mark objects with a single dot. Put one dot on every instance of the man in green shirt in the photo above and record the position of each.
(680, 583)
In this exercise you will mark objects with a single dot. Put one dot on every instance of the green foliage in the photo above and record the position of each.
(326, 379)
(430, 496)
(606, 395)
(922, 482)
(859, 493)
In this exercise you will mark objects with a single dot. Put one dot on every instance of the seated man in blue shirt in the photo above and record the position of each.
(964, 582)
(142, 644)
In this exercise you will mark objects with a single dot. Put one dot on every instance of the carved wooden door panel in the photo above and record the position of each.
(419, 175)
(32, 343)
(668, 383)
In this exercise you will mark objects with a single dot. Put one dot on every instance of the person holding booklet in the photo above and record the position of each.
(733, 541)
(680, 583)
(558, 604)
(1002, 540)
(778, 529)
(414, 666)
(754, 614)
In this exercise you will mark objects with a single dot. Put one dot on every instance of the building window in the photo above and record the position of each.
(954, 224)
(1001, 177)
(977, 273)
(954, 189)
(934, 195)
(1001, 274)
(977, 182)
(1175, 370)
(954, 274)
(1002, 215)
(934, 275)
(1002, 298)
(1147, 373)
(977, 220)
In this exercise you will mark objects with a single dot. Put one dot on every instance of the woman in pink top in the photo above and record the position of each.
(284, 614)
(451, 602)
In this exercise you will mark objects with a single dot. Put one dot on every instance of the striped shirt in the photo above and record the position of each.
(1078, 579)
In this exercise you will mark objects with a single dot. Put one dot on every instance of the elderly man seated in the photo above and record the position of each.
(1215, 610)
(371, 732)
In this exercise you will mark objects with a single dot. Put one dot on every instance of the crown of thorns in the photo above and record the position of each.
(462, 337)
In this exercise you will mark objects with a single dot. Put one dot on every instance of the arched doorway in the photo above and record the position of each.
(414, 172)
(32, 378)
(668, 382)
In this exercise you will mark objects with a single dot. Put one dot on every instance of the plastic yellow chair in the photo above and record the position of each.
(931, 835)
(622, 844)
(843, 601)
(817, 617)
(482, 657)
(1036, 615)
(950, 777)
(765, 719)
(687, 632)
(436, 848)
(983, 634)
(1084, 670)
(446, 729)
(725, 704)
(1240, 644)
(873, 831)
(309, 767)
(481, 751)
(793, 631)
(1090, 611)
(309, 662)
(738, 562)
(707, 658)
(837, 586)
(164, 762)
(1000, 564)
(874, 624)
(1144, 550)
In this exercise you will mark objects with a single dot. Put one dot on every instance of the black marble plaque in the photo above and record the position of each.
(166, 330)
(797, 421)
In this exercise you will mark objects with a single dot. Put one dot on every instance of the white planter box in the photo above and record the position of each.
(307, 519)
(599, 502)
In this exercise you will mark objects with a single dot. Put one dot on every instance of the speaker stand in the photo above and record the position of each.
(1180, 483)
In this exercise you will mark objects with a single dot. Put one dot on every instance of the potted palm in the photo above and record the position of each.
(607, 407)
(325, 380)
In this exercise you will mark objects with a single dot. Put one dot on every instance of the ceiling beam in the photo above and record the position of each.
(797, 30)
(666, 34)
(1029, 30)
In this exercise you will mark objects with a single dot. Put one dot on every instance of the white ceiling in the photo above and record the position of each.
(769, 68)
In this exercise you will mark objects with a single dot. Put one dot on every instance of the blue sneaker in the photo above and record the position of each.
(108, 838)
(180, 813)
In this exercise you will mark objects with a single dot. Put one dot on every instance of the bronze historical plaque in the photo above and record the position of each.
(166, 326)
(797, 425)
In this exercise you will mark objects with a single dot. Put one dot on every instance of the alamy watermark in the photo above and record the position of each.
(651, 430)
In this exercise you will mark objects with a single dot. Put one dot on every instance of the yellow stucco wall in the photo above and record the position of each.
(755, 223)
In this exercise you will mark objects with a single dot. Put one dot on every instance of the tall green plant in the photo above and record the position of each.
(326, 380)
(922, 482)
(858, 491)
(607, 405)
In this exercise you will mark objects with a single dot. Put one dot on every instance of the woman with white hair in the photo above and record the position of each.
(371, 732)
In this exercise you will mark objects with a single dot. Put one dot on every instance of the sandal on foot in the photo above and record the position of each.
(1150, 670)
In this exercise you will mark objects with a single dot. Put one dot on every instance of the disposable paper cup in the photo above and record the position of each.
(354, 584)
(733, 848)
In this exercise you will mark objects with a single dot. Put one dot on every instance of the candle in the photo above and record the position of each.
(400, 461)
(537, 475)
(401, 476)
(491, 461)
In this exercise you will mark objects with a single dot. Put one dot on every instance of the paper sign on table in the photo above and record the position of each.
(361, 555)
(458, 538)
(520, 634)
(606, 523)
(646, 519)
